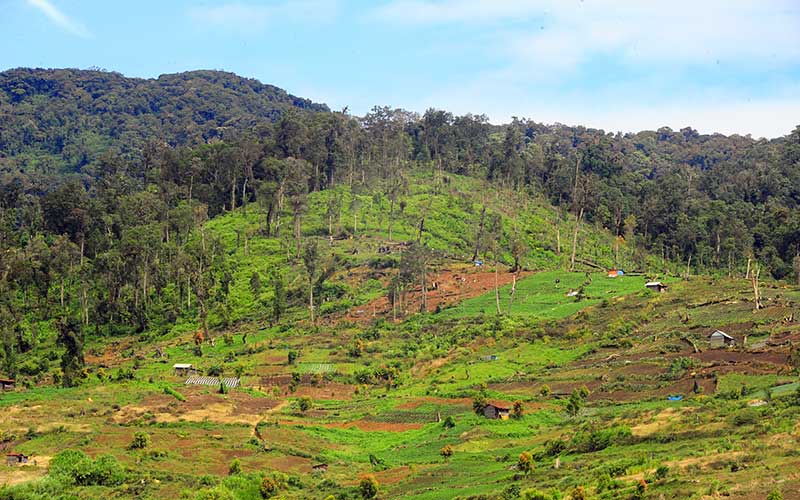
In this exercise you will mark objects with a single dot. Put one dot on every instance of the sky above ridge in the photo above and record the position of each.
(729, 66)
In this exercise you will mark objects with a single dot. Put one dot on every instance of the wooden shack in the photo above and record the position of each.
(319, 468)
(721, 339)
(13, 459)
(183, 369)
(6, 384)
(656, 286)
(496, 410)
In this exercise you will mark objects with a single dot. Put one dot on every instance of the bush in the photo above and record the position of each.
(368, 487)
(535, 495)
(525, 463)
(304, 404)
(748, 416)
(235, 467)
(449, 422)
(662, 471)
(217, 493)
(75, 467)
(518, 410)
(446, 451)
(775, 495)
(269, 487)
(141, 440)
(479, 403)
(172, 392)
(587, 442)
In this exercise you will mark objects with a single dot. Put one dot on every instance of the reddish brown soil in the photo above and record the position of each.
(370, 426)
(738, 357)
(111, 356)
(447, 287)
(324, 390)
(417, 402)
(391, 476)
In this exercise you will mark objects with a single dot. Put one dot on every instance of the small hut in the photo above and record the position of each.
(183, 369)
(496, 410)
(656, 286)
(319, 468)
(721, 339)
(6, 384)
(13, 459)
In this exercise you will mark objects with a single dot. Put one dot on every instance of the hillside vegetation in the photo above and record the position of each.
(374, 283)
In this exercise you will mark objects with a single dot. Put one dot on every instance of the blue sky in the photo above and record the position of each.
(730, 66)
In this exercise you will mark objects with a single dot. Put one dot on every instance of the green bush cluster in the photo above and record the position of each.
(77, 468)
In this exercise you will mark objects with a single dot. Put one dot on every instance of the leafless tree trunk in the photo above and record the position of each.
(756, 291)
(578, 213)
(513, 292)
(578, 218)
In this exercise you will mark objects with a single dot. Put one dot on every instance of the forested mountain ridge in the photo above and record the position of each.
(67, 117)
(100, 214)
(207, 135)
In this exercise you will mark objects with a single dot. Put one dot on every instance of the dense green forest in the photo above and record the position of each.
(106, 183)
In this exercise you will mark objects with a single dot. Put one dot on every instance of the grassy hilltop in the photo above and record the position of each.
(588, 375)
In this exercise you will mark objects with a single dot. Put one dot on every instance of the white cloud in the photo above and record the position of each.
(59, 18)
(622, 64)
(625, 109)
(635, 31)
(253, 18)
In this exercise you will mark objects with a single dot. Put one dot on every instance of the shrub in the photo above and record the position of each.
(219, 492)
(291, 357)
(449, 422)
(368, 487)
(553, 447)
(214, 371)
(575, 403)
(775, 495)
(662, 471)
(748, 416)
(545, 390)
(172, 392)
(535, 495)
(525, 463)
(269, 487)
(578, 493)
(141, 440)
(517, 411)
(304, 404)
(75, 467)
(446, 451)
(586, 442)
(479, 403)
(235, 467)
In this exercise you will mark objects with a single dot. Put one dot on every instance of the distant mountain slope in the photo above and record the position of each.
(68, 116)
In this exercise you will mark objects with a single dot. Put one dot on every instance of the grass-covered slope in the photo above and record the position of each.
(592, 373)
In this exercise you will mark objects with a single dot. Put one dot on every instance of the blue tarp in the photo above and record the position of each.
(675, 398)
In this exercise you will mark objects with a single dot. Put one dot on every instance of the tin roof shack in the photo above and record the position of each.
(721, 339)
(495, 410)
(319, 468)
(13, 459)
(656, 286)
(183, 369)
(6, 384)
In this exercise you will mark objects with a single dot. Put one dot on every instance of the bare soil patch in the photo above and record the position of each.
(447, 287)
